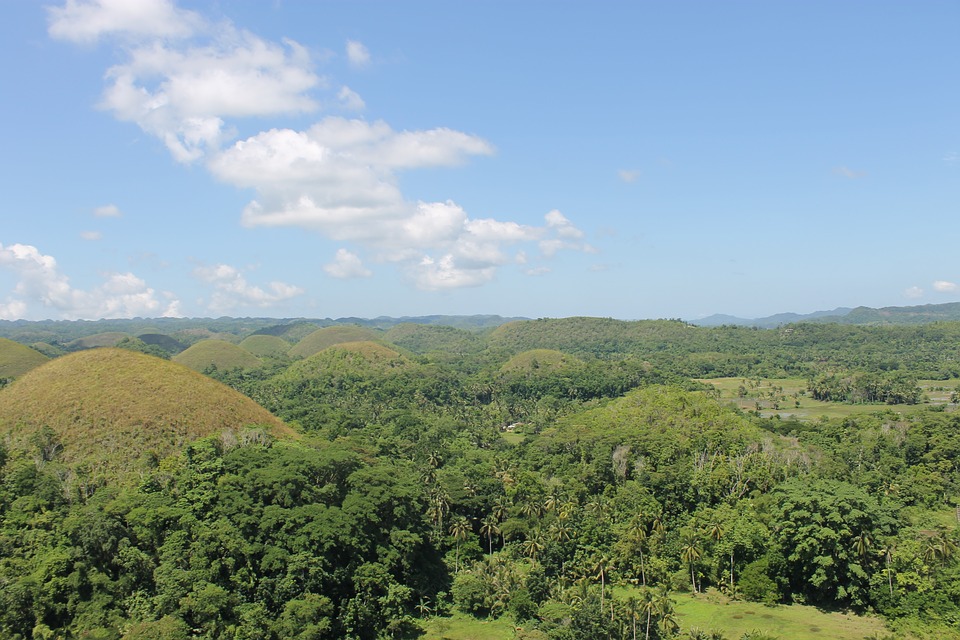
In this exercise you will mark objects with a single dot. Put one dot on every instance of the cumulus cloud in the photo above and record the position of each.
(182, 75)
(913, 293)
(91, 235)
(186, 80)
(88, 21)
(357, 53)
(347, 265)
(232, 291)
(107, 211)
(945, 287)
(350, 99)
(43, 291)
(628, 175)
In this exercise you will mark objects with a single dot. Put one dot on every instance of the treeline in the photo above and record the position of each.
(861, 388)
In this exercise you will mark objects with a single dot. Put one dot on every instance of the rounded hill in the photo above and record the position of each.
(110, 408)
(265, 345)
(359, 358)
(16, 359)
(536, 359)
(105, 339)
(422, 338)
(217, 353)
(329, 336)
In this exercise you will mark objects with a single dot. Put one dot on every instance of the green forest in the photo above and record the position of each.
(575, 478)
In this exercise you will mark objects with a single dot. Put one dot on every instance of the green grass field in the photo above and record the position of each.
(709, 611)
(788, 397)
(463, 627)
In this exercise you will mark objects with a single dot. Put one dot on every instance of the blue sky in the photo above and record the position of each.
(543, 159)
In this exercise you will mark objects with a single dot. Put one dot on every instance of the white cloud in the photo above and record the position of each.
(357, 53)
(848, 173)
(183, 76)
(42, 290)
(91, 235)
(107, 211)
(88, 21)
(945, 287)
(628, 175)
(347, 265)
(350, 99)
(951, 157)
(537, 271)
(184, 80)
(232, 291)
(339, 176)
(435, 275)
(913, 293)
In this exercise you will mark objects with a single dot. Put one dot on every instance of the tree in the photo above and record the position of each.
(690, 552)
(460, 530)
(489, 529)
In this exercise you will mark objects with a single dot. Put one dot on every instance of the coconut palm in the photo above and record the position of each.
(489, 528)
(460, 530)
(690, 553)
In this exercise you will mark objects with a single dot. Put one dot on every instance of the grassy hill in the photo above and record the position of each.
(265, 345)
(219, 354)
(17, 359)
(105, 339)
(421, 339)
(109, 408)
(329, 336)
(535, 359)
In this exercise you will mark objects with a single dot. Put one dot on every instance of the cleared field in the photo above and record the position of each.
(788, 397)
(709, 611)
(462, 627)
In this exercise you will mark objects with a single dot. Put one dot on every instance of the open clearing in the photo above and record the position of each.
(788, 398)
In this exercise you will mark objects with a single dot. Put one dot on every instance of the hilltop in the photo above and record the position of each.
(111, 409)
(17, 359)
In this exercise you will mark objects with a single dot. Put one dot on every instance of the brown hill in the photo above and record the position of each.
(111, 408)
(217, 353)
(329, 336)
(16, 359)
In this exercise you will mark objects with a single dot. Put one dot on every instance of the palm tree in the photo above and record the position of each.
(489, 528)
(500, 509)
(460, 530)
(423, 608)
(533, 545)
(600, 566)
(633, 611)
(861, 544)
(668, 620)
(649, 607)
(637, 534)
(690, 553)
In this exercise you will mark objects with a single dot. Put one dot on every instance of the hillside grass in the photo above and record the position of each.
(110, 407)
(17, 359)
(459, 626)
(711, 610)
(536, 359)
(329, 336)
(218, 353)
(105, 339)
(265, 346)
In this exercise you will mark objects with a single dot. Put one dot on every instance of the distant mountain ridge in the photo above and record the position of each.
(771, 322)
(917, 314)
